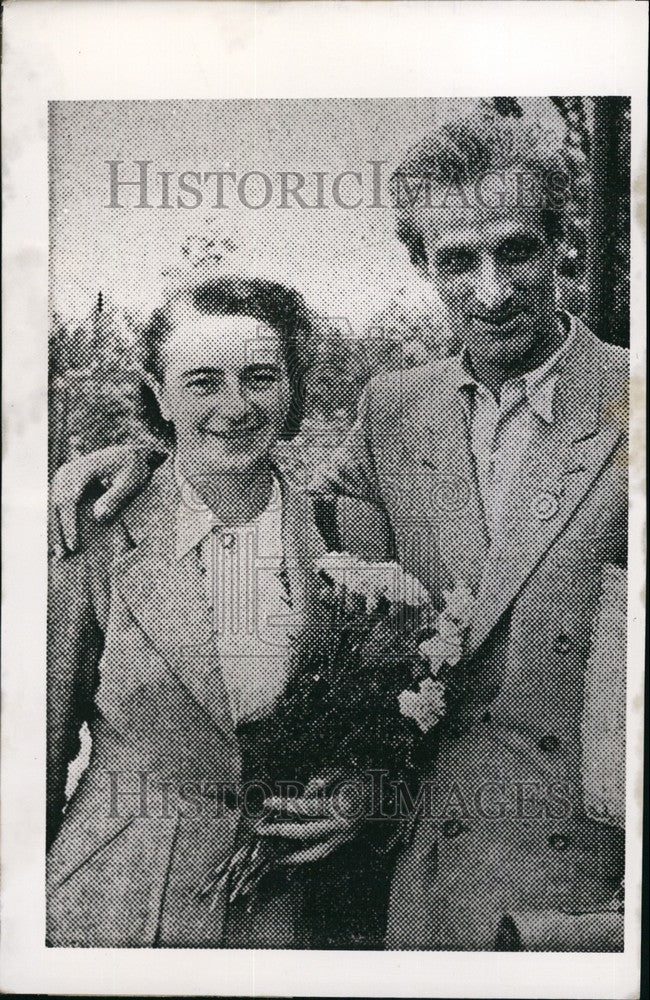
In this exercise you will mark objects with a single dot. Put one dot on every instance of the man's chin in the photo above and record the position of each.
(497, 345)
(235, 464)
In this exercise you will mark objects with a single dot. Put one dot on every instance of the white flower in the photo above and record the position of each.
(458, 603)
(439, 650)
(447, 627)
(334, 562)
(446, 644)
(372, 580)
(426, 706)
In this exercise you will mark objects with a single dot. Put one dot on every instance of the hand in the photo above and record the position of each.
(126, 469)
(318, 820)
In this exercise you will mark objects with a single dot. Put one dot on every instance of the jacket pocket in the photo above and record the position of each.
(89, 827)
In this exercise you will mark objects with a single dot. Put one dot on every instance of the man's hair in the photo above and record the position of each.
(279, 307)
(468, 149)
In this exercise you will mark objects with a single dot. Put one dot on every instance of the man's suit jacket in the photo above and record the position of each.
(504, 830)
(132, 651)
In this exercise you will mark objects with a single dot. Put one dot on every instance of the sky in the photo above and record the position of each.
(346, 261)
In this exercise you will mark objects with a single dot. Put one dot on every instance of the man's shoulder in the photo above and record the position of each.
(614, 357)
(611, 371)
(394, 389)
(610, 357)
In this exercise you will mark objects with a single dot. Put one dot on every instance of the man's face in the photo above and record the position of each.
(225, 389)
(494, 271)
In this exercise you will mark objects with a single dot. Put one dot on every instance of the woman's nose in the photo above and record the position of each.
(232, 403)
(493, 287)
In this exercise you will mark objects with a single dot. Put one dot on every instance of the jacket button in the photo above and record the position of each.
(562, 644)
(549, 743)
(559, 841)
(544, 506)
(452, 828)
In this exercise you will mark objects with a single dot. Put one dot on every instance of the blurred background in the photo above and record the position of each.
(373, 312)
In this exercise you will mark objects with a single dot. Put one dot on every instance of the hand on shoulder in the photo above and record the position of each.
(117, 473)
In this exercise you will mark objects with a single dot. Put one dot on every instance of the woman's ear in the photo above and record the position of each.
(161, 396)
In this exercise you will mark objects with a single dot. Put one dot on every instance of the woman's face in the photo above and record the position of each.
(225, 389)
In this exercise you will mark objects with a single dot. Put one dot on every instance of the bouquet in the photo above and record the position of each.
(370, 678)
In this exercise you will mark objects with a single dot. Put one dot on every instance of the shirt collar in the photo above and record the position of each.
(195, 520)
(539, 384)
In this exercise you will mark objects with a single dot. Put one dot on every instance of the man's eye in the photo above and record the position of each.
(455, 261)
(518, 251)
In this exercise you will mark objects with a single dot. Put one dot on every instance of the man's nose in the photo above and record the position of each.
(493, 286)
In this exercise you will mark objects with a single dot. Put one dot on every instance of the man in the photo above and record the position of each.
(507, 468)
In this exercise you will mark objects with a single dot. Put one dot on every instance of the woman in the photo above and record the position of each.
(170, 636)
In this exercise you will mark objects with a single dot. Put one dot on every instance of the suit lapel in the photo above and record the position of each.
(443, 455)
(303, 545)
(167, 597)
(558, 469)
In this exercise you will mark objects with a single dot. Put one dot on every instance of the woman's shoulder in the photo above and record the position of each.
(131, 519)
(344, 522)
(99, 542)
(99, 539)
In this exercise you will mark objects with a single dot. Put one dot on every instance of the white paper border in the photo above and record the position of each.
(128, 49)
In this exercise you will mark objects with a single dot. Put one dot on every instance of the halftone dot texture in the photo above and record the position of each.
(518, 841)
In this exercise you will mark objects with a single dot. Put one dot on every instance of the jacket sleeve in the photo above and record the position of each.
(74, 647)
(350, 470)
(551, 930)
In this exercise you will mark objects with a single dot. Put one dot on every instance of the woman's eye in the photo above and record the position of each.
(449, 262)
(518, 251)
(204, 384)
(261, 379)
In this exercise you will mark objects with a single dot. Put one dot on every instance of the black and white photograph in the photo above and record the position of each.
(339, 458)
(338, 597)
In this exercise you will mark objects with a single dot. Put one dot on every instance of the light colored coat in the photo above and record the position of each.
(132, 651)
(465, 873)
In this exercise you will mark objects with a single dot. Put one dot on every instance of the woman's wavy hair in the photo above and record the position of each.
(269, 302)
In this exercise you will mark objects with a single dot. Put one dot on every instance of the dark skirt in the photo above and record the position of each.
(340, 902)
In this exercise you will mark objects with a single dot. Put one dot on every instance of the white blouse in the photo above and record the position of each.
(248, 593)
